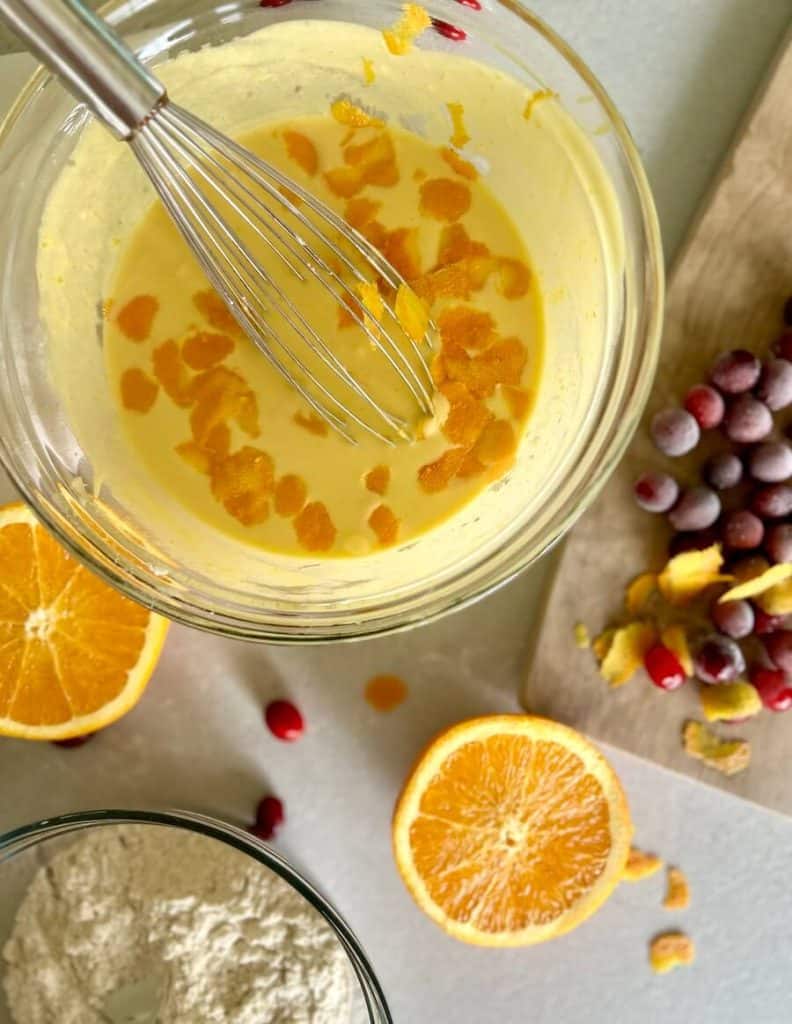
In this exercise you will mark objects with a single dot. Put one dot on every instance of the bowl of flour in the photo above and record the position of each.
(151, 918)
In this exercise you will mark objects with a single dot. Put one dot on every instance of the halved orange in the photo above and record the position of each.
(511, 830)
(75, 655)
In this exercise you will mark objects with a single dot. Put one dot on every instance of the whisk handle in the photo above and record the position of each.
(90, 60)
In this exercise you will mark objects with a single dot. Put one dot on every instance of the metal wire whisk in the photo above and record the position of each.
(200, 173)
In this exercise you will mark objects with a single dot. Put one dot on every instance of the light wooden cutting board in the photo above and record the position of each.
(725, 291)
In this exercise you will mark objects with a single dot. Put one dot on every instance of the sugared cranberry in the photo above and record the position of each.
(723, 471)
(697, 509)
(771, 684)
(773, 502)
(269, 817)
(775, 384)
(445, 28)
(765, 624)
(747, 420)
(778, 543)
(718, 660)
(771, 462)
(733, 618)
(705, 405)
(736, 371)
(656, 492)
(74, 741)
(742, 530)
(664, 667)
(284, 720)
(675, 432)
(779, 649)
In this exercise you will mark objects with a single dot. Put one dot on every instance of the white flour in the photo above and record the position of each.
(223, 939)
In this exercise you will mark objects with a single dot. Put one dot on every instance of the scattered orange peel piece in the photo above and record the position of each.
(677, 895)
(687, 575)
(372, 301)
(537, 97)
(730, 700)
(626, 652)
(641, 865)
(726, 756)
(369, 74)
(675, 639)
(463, 167)
(759, 584)
(400, 38)
(412, 313)
(639, 592)
(601, 644)
(670, 950)
(460, 136)
(346, 112)
(582, 638)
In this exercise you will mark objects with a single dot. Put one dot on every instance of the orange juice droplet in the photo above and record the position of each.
(385, 693)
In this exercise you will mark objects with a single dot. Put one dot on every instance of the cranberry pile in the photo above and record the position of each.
(743, 502)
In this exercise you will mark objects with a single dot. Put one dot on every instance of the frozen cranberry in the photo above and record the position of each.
(284, 720)
(771, 462)
(778, 543)
(718, 660)
(723, 471)
(698, 540)
(736, 371)
(733, 618)
(74, 741)
(675, 432)
(742, 530)
(664, 668)
(775, 384)
(779, 649)
(764, 623)
(771, 684)
(269, 818)
(656, 492)
(782, 346)
(747, 420)
(697, 509)
(773, 502)
(445, 28)
(705, 405)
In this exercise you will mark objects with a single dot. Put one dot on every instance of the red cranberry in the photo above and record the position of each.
(656, 492)
(718, 660)
(778, 543)
(733, 618)
(474, 4)
(705, 405)
(74, 741)
(445, 28)
(771, 462)
(775, 384)
(779, 649)
(747, 420)
(269, 817)
(284, 720)
(664, 668)
(772, 502)
(736, 371)
(765, 624)
(674, 432)
(772, 687)
(697, 509)
(723, 471)
(742, 530)
(273, 3)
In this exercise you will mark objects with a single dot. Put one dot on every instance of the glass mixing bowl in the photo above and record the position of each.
(24, 850)
(596, 378)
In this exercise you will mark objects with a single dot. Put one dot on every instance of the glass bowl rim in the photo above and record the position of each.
(426, 606)
(25, 837)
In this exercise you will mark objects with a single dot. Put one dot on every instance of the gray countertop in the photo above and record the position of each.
(682, 72)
